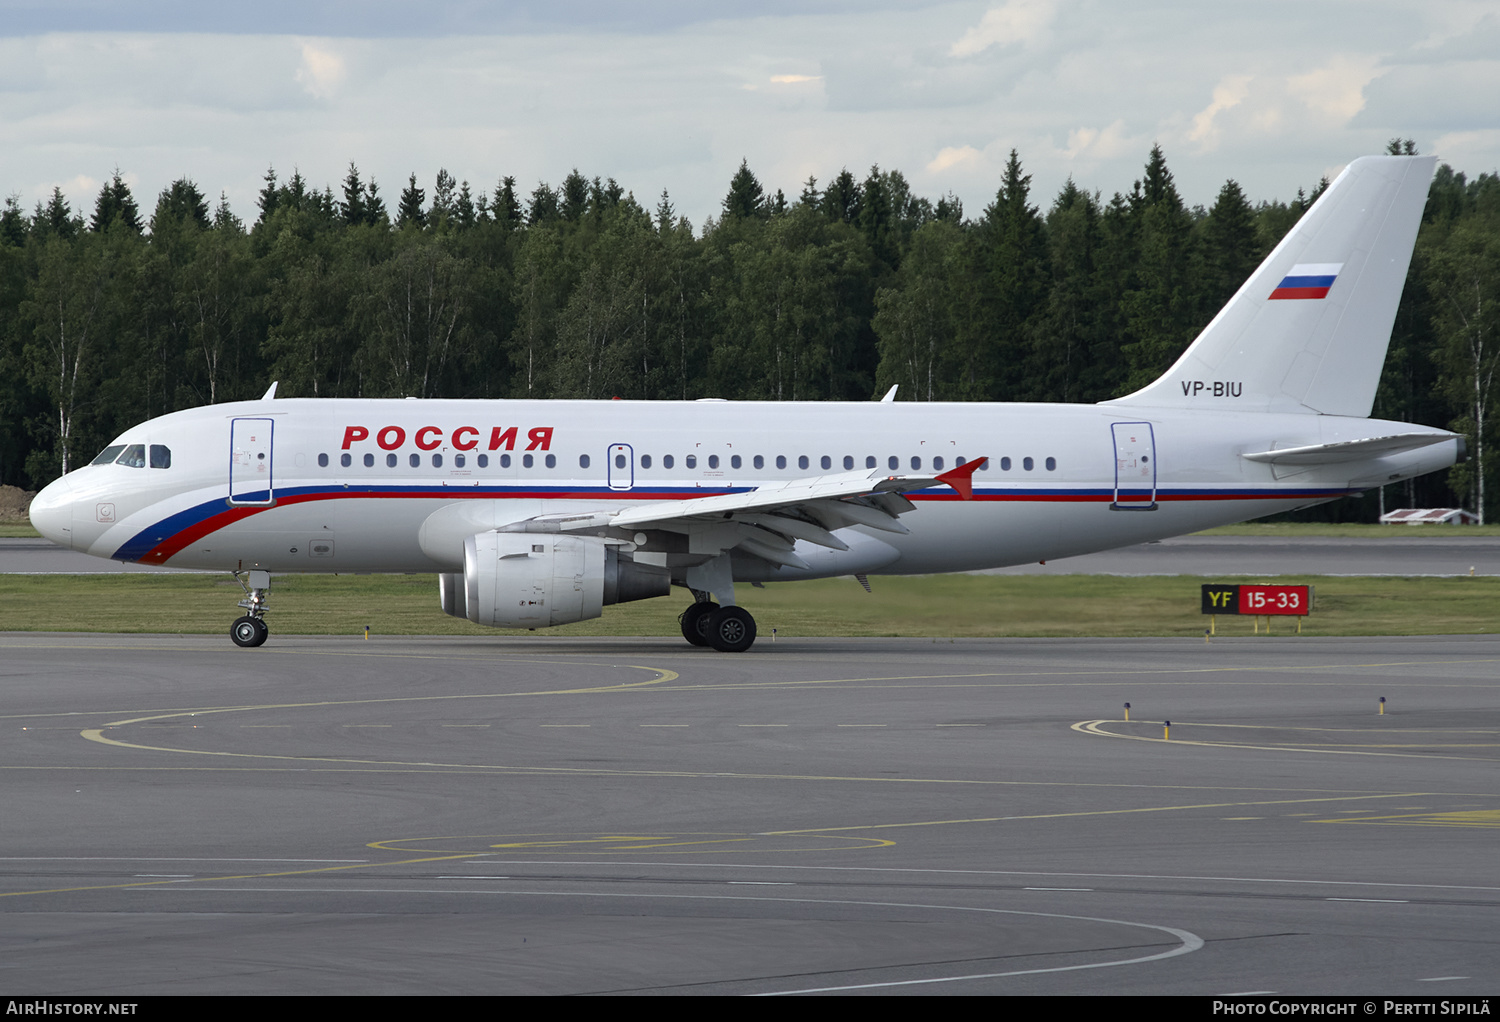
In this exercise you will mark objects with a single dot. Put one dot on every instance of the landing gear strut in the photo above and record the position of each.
(251, 629)
(726, 629)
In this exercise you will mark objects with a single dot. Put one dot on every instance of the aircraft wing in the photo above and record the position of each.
(767, 521)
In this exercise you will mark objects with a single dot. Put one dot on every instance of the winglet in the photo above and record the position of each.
(961, 478)
(270, 393)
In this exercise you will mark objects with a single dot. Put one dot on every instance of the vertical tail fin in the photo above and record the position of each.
(1308, 331)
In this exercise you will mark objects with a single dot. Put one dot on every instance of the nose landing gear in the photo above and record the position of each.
(248, 631)
(251, 629)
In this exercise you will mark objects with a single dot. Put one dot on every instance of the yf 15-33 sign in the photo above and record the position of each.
(1227, 599)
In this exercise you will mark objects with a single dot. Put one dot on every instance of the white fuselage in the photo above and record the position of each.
(262, 485)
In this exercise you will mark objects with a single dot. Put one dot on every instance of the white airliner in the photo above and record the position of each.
(538, 513)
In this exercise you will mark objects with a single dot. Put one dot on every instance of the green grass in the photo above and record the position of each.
(939, 606)
(18, 530)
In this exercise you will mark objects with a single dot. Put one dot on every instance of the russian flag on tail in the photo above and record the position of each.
(1308, 280)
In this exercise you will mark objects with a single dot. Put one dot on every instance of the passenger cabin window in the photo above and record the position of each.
(894, 463)
(1005, 464)
(870, 461)
(734, 461)
(713, 461)
(437, 461)
(527, 461)
(416, 460)
(691, 461)
(667, 461)
(322, 460)
(645, 460)
(583, 461)
(937, 464)
(1027, 464)
(916, 463)
(458, 461)
(781, 461)
(483, 460)
(826, 462)
(551, 461)
(759, 462)
(345, 460)
(802, 461)
(1051, 464)
(108, 455)
(369, 461)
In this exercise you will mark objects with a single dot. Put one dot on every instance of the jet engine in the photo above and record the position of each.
(537, 580)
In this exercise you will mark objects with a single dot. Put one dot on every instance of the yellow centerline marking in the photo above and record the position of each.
(241, 876)
(1091, 812)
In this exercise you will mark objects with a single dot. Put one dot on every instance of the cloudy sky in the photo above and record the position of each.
(673, 93)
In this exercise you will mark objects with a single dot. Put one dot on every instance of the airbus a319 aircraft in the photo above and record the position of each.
(540, 513)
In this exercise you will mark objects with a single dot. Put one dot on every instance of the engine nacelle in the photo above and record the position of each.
(537, 580)
(453, 594)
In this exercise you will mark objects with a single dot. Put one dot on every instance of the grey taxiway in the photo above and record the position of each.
(532, 815)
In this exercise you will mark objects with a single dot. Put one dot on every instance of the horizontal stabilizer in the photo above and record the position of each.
(1348, 450)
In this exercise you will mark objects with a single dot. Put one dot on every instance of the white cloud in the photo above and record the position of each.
(1229, 93)
(795, 79)
(1338, 87)
(1095, 144)
(321, 71)
(1018, 21)
(950, 156)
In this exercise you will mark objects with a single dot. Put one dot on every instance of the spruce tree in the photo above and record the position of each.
(543, 207)
(746, 199)
(180, 203)
(13, 226)
(410, 213)
(842, 200)
(443, 198)
(353, 209)
(506, 208)
(269, 195)
(665, 215)
(575, 196)
(116, 203)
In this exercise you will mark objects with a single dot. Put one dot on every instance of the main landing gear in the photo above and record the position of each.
(251, 629)
(726, 629)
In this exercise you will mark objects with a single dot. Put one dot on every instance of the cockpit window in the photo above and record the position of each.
(134, 456)
(161, 456)
(108, 455)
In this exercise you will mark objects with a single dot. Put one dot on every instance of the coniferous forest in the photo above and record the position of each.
(113, 315)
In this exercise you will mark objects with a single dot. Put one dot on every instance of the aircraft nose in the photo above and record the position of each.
(52, 511)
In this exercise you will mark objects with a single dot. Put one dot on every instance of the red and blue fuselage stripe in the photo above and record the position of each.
(170, 535)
